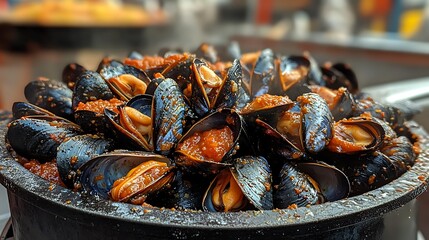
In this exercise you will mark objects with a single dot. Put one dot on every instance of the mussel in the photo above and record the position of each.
(90, 86)
(152, 123)
(292, 77)
(210, 143)
(39, 138)
(366, 172)
(356, 135)
(317, 122)
(76, 151)
(71, 73)
(308, 184)
(263, 73)
(51, 95)
(126, 176)
(246, 185)
(210, 91)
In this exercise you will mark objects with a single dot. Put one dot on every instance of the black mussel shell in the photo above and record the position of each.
(99, 173)
(207, 52)
(168, 115)
(24, 109)
(367, 172)
(229, 92)
(401, 152)
(124, 133)
(263, 73)
(71, 73)
(186, 192)
(76, 151)
(253, 174)
(273, 144)
(333, 183)
(135, 55)
(51, 95)
(89, 87)
(39, 139)
(295, 187)
(292, 77)
(317, 122)
(181, 71)
(310, 183)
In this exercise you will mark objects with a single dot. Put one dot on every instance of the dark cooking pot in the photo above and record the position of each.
(41, 210)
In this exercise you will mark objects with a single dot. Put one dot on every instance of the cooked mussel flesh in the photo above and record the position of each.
(126, 176)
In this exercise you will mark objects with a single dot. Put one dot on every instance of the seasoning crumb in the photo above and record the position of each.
(292, 206)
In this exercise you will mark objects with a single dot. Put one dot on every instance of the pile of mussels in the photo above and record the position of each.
(189, 131)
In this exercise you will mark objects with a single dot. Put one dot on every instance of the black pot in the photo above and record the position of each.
(40, 210)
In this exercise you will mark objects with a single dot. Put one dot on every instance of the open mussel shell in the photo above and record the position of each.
(339, 75)
(126, 130)
(356, 135)
(181, 71)
(90, 86)
(265, 107)
(275, 145)
(76, 151)
(341, 102)
(248, 181)
(394, 116)
(333, 183)
(126, 81)
(39, 138)
(217, 120)
(51, 95)
(308, 184)
(99, 173)
(292, 77)
(205, 86)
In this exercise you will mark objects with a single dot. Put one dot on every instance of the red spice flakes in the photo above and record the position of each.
(371, 179)
(292, 206)
(48, 171)
(98, 106)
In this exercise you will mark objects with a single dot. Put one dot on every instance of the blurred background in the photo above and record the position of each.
(385, 41)
(38, 38)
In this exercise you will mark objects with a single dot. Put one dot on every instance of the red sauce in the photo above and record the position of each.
(47, 171)
(211, 145)
(98, 106)
(149, 62)
(265, 101)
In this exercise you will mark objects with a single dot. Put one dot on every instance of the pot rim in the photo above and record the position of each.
(333, 215)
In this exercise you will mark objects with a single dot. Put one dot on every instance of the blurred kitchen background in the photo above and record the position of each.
(385, 41)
